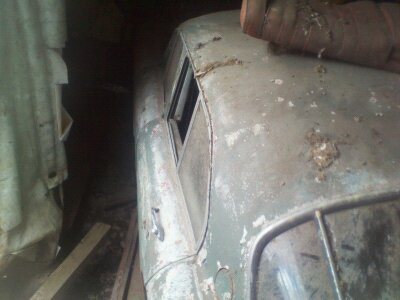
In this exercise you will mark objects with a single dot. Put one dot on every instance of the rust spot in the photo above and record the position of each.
(217, 64)
(202, 44)
(323, 151)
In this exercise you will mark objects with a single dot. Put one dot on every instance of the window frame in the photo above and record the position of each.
(183, 81)
(195, 112)
(316, 213)
(169, 110)
(204, 225)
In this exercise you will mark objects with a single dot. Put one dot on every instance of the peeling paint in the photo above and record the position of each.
(245, 252)
(202, 256)
(156, 180)
(243, 239)
(277, 81)
(373, 100)
(208, 285)
(219, 266)
(258, 129)
(239, 117)
(259, 221)
(178, 283)
(210, 239)
(231, 138)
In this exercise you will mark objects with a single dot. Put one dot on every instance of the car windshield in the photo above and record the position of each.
(365, 248)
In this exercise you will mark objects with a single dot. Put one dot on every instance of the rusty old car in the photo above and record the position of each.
(265, 175)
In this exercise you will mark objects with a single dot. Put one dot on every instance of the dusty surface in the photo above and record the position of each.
(202, 44)
(217, 64)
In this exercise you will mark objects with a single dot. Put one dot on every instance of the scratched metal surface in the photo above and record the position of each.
(158, 187)
(177, 281)
(32, 159)
(261, 112)
(262, 108)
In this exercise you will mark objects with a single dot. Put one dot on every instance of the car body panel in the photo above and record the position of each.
(261, 112)
(150, 92)
(174, 282)
(161, 190)
(262, 108)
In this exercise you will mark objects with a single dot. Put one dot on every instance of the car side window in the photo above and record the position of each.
(174, 53)
(190, 139)
(182, 108)
(194, 170)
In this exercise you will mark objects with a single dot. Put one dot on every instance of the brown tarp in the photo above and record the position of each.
(361, 32)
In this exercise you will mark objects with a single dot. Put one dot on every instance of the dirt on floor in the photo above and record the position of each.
(109, 197)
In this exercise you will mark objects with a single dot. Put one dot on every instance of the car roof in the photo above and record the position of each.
(289, 132)
(265, 108)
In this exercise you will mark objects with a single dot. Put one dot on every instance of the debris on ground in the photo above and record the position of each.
(358, 119)
(214, 65)
(68, 268)
(121, 284)
(323, 151)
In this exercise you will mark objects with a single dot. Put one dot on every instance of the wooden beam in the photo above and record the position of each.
(136, 287)
(69, 266)
(125, 266)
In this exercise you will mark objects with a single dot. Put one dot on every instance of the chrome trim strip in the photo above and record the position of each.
(328, 253)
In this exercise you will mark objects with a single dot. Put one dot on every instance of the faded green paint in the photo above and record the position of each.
(262, 108)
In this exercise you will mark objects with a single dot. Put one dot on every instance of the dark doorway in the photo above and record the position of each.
(107, 40)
